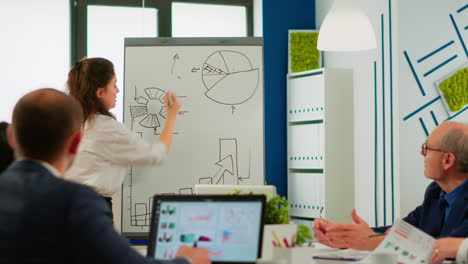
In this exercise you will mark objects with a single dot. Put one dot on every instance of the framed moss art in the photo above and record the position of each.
(453, 88)
(303, 53)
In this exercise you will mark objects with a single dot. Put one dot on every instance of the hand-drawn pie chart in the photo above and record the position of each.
(229, 78)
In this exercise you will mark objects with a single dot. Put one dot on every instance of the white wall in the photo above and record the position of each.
(418, 26)
(420, 37)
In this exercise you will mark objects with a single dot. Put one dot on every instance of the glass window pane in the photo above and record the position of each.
(208, 20)
(35, 48)
(107, 28)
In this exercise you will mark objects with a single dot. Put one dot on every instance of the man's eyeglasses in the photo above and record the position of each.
(425, 148)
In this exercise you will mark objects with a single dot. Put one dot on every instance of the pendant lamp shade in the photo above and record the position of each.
(346, 28)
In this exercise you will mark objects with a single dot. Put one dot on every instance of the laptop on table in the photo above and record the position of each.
(230, 226)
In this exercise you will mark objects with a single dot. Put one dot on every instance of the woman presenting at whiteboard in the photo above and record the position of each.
(108, 147)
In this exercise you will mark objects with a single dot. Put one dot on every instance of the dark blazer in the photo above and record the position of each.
(423, 216)
(44, 219)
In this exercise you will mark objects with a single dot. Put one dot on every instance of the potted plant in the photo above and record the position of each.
(278, 230)
(276, 223)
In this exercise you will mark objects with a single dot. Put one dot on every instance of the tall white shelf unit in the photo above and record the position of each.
(320, 144)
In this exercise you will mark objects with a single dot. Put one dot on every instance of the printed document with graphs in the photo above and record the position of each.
(409, 243)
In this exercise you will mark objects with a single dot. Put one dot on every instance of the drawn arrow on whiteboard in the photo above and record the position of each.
(135, 96)
(243, 178)
(246, 178)
(225, 164)
(175, 58)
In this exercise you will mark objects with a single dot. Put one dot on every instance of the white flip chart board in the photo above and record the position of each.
(219, 132)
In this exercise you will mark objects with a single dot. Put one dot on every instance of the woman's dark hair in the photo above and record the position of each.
(6, 152)
(84, 79)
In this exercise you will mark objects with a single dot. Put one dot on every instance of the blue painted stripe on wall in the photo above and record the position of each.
(458, 34)
(298, 14)
(424, 126)
(434, 118)
(440, 65)
(421, 108)
(458, 113)
(414, 73)
(461, 9)
(435, 51)
(375, 146)
(384, 160)
(391, 107)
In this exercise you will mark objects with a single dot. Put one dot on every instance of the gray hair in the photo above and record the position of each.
(456, 142)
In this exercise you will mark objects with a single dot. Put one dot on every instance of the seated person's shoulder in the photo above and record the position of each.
(73, 192)
(79, 191)
(433, 190)
(82, 194)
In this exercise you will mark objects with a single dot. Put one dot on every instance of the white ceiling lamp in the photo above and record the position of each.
(346, 28)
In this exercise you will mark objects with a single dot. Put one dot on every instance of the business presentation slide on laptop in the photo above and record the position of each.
(229, 229)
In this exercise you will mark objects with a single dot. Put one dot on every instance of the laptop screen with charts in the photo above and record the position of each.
(229, 226)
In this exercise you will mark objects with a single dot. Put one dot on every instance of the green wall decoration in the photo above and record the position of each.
(303, 53)
(455, 90)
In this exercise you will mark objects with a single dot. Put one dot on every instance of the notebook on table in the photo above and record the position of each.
(230, 226)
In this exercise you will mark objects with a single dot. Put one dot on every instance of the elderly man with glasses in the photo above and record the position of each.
(444, 211)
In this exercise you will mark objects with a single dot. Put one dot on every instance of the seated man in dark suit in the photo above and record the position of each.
(444, 211)
(44, 219)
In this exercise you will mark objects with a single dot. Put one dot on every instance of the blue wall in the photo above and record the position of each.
(278, 17)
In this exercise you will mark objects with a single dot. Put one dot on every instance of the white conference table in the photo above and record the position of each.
(317, 249)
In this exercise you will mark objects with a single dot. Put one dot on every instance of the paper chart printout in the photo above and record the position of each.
(410, 243)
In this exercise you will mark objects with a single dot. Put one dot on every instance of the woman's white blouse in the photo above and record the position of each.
(106, 151)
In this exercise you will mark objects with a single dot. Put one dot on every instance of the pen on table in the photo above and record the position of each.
(337, 258)
(377, 234)
(277, 239)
